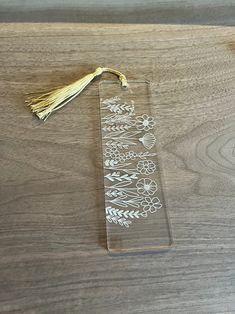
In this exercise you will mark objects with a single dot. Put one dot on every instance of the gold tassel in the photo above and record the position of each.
(51, 101)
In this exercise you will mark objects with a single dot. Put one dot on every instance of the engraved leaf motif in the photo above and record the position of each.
(109, 128)
(114, 119)
(117, 176)
(121, 221)
(117, 144)
(120, 201)
(122, 128)
(113, 134)
(113, 104)
(128, 214)
(122, 184)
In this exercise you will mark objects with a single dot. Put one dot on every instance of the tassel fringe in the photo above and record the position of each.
(42, 106)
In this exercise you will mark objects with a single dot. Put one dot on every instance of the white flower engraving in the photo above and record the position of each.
(112, 152)
(148, 140)
(129, 187)
(146, 186)
(151, 204)
(144, 122)
(146, 166)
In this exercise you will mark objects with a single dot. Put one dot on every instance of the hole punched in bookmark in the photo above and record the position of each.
(47, 103)
(134, 194)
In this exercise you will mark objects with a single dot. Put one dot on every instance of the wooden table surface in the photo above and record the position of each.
(53, 256)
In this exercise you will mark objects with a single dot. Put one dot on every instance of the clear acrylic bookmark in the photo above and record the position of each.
(135, 207)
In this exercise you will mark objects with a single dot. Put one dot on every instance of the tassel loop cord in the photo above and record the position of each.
(120, 75)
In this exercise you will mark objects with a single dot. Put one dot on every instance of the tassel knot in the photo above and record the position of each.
(98, 71)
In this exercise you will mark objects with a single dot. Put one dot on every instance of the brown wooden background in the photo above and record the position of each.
(52, 229)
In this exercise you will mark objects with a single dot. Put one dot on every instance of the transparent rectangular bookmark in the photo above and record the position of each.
(136, 214)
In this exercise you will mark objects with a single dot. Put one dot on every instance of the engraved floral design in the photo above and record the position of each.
(148, 140)
(146, 186)
(144, 122)
(151, 204)
(131, 155)
(115, 154)
(127, 137)
(111, 152)
(146, 167)
(113, 104)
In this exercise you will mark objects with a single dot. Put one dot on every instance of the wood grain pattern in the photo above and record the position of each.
(52, 241)
(209, 12)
